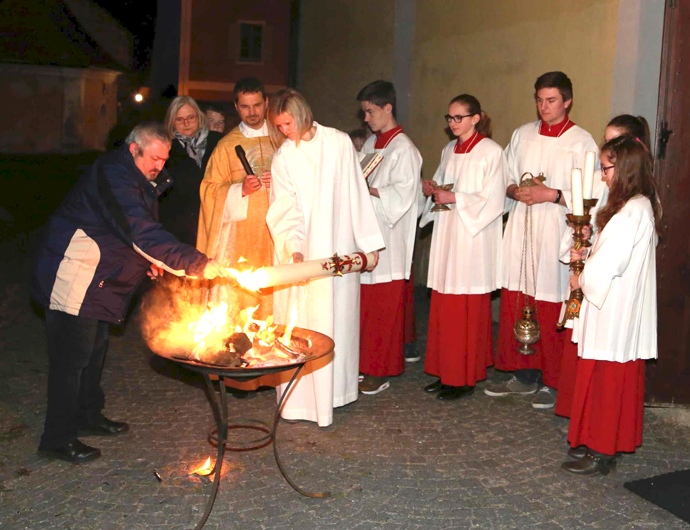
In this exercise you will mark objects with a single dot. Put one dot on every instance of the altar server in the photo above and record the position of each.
(320, 205)
(551, 146)
(465, 251)
(637, 127)
(618, 314)
(394, 187)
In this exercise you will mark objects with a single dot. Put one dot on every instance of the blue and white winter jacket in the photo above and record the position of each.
(102, 239)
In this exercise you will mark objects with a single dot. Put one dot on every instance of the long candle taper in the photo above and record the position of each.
(576, 188)
(588, 182)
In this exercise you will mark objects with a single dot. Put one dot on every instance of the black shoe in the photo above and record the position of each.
(411, 354)
(434, 387)
(75, 452)
(581, 450)
(449, 393)
(104, 427)
(577, 452)
(590, 464)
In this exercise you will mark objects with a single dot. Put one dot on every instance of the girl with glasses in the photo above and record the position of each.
(618, 315)
(624, 124)
(465, 251)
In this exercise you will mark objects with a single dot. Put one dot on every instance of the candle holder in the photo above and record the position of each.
(444, 187)
(578, 222)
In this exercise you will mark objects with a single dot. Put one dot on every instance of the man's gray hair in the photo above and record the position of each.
(144, 133)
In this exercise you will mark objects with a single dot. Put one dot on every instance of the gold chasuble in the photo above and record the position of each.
(231, 226)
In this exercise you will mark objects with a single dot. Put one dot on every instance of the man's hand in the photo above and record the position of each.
(537, 194)
(266, 178)
(154, 272)
(574, 282)
(214, 269)
(297, 257)
(444, 197)
(372, 266)
(251, 184)
(428, 187)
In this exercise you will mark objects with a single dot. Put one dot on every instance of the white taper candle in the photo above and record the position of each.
(576, 189)
(588, 182)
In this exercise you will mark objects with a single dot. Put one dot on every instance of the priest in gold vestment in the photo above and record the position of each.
(232, 221)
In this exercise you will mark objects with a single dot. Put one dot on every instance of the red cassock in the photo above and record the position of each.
(549, 349)
(566, 382)
(410, 332)
(608, 406)
(460, 339)
(382, 322)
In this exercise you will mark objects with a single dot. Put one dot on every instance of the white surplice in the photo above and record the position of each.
(320, 205)
(397, 179)
(618, 317)
(466, 242)
(529, 151)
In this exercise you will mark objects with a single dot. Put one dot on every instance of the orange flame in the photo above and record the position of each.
(249, 279)
(204, 470)
(288, 329)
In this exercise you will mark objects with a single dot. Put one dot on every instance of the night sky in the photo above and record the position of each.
(139, 17)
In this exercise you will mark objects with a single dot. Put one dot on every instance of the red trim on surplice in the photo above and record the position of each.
(549, 349)
(554, 131)
(462, 148)
(460, 340)
(410, 330)
(566, 382)
(608, 406)
(382, 320)
(383, 139)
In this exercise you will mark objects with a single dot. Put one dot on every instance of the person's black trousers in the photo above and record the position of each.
(76, 351)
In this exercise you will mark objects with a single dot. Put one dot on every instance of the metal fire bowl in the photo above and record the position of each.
(321, 345)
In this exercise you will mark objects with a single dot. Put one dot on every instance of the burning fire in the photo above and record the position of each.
(252, 280)
(204, 470)
(252, 339)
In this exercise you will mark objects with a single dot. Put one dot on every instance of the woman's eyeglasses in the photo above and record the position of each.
(456, 119)
(189, 119)
(605, 169)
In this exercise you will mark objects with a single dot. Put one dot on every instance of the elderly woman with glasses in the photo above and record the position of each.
(190, 152)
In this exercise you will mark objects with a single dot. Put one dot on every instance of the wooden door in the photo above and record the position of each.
(668, 379)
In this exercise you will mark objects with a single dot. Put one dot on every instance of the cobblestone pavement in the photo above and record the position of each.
(400, 460)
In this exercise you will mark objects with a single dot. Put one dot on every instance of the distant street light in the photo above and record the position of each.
(138, 98)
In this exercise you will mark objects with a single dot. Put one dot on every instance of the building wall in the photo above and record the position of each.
(637, 65)
(209, 39)
(344, 45)
(56, 110)
(493, 49)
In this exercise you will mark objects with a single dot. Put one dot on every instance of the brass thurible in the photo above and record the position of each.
(526, 330)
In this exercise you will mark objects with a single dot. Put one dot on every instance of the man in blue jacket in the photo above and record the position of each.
(98, 246)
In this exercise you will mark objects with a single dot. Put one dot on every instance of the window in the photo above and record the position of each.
(251, 37)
